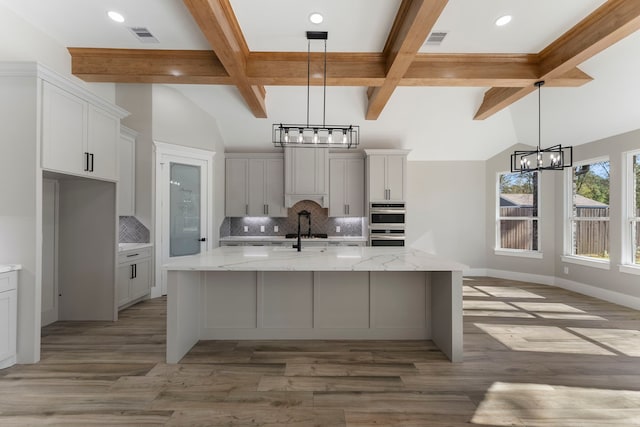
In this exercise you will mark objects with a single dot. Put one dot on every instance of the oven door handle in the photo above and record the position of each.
(388, 211)
(386, 237)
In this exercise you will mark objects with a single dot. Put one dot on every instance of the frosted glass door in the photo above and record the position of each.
(184, 210)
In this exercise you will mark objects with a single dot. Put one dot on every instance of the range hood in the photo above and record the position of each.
(306, 175)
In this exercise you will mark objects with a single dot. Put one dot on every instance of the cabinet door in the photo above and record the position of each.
(274, 187)
(354, 187)
(122, 284)
(64, 132)
(103, 137)
(377, 179)
(141, 283)
(395, 177)
(8, 317)
(236, 201)
(337, 187)
(256, 188)
(126, 183)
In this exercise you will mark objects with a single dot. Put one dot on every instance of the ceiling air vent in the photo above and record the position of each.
(435, 38)
(143, 35)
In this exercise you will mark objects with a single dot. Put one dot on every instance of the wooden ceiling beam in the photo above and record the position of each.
(290, 69)
(607, 25)
(412, 25)
(148, 66)
(221, 29)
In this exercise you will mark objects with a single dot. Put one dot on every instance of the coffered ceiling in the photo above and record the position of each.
(244, 61)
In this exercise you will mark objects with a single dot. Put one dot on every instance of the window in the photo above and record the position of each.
(589, 210)
(631, 251)
(517, 219)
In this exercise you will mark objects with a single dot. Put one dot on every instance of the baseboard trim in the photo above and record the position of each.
(581, 288)
(475, 272)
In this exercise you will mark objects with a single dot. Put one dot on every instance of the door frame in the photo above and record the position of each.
(163, 154)
(53, 316)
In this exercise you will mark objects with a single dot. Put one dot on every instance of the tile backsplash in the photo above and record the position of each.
(132, 230)
(320, 223)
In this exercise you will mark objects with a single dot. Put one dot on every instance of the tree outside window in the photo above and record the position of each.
(590, 210)
(634, 208)
(518, 211)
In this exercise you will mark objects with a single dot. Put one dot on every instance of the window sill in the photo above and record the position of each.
(587, 262)
(518, 253)
(630, 269)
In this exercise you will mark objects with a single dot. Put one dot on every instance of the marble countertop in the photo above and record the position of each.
(133, 246)
(5, 268)
(251, 258)
(284, 239)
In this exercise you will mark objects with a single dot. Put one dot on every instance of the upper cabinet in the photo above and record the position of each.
(346, 185)
(386, 175)
(79, 137)
(127, 174)
(254, 185)
(306, 175)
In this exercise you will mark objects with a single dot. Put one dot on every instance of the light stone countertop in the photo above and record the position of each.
(133, 246)
(284, 239)
(5, 268)
(261, 258)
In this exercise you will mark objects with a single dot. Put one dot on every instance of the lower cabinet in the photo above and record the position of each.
(134, 276)
(8, 318)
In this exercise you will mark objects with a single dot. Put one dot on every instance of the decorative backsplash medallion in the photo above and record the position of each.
(132, 230)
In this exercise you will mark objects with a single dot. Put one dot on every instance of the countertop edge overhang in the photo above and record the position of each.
(250, 258)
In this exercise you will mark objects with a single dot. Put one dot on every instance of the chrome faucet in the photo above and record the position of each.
(308, 215)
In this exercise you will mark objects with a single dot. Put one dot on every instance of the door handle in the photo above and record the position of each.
(202, 239)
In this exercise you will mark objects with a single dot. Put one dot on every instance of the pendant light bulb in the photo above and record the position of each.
(315, 136)
(300, 136)
(344, 136)
(286, 135)
(330, 137)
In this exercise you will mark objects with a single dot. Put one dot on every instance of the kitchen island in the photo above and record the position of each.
(256, 293)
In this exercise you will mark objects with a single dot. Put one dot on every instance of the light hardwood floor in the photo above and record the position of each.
(534, 356)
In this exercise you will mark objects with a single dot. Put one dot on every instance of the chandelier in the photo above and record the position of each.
(308, 135)
(556, 157)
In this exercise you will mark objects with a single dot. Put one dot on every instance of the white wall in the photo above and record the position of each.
(446, 209)
(137, 99)
(21, 41)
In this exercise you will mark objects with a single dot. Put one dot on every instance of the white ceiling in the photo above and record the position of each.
(435, 122)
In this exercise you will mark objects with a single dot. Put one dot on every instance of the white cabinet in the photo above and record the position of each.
(386, 175)
(346, 186)
(134, 275)
(78, 137)
(306, 175)
(127, 174)
(8, 317)
(254, 186)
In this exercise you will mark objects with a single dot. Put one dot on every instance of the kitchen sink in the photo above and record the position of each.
(304, 249)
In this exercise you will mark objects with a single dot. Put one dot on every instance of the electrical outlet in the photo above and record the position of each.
(262, 228)
(275, 228)
(566, 270)
(337, 228)
(246, 228)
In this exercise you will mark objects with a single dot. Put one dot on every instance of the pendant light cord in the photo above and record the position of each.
(308, 76)
(324, 84)
(539, 120)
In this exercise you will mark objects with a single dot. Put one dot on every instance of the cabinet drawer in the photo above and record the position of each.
(133, 255)
(7, 282)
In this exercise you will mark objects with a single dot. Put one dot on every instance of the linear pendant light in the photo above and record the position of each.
(308, 135)
(552, 158)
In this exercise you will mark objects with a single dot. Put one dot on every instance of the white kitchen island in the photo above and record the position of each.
(256, 293)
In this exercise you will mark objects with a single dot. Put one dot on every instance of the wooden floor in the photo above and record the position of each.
(534, 356)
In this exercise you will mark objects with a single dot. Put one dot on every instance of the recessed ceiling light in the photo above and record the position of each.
(316, 18)
(115, 16)
(503, 20)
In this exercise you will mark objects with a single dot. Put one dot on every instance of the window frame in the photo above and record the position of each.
(524, 253)
(569, 244)
(629, 218)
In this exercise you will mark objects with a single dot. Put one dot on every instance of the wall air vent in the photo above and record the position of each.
(435, 38)
(143, 35)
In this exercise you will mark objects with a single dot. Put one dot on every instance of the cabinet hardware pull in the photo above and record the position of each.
(266, 207)
(131, 276)
(135, 270)
(86, 161)
(348, 211)
(246, 209)
(91, 169)
(129, 256)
